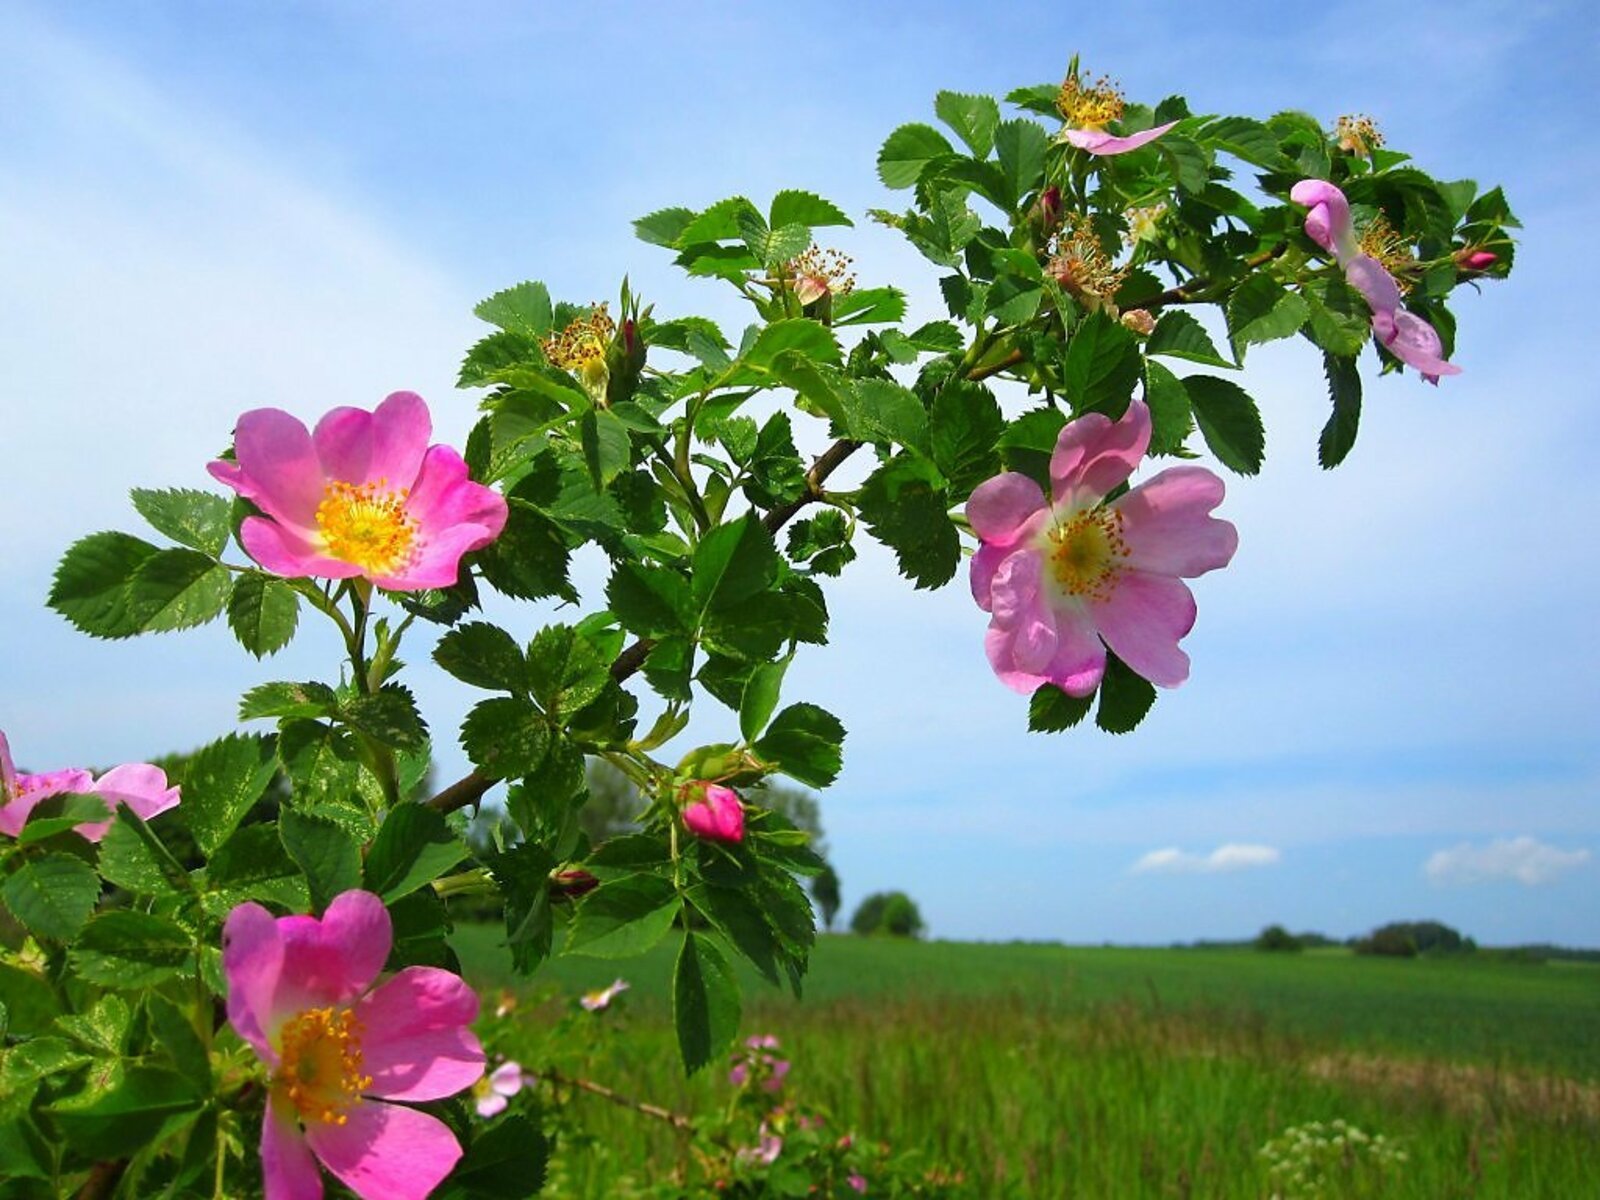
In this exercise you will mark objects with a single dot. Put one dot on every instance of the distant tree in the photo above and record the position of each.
(893, 913)
(1391, 941)
(1424, 937)
(1276, 938)
(825, 891)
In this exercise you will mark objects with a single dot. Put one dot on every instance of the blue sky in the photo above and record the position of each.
(207, 208)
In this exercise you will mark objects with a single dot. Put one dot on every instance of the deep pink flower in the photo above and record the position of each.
(1065, 576)
(300, 991)
(717, 815)
(142, 787)
(365, 495)
(494, 1091)
(600, 1000)
(1401, 332)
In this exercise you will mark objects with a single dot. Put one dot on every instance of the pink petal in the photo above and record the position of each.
(252, 961)
(1416, 343)
(438, 560)
(286, 552)
(277, 467)
(506, 1079)
(455, 517)
(1014, 595)
(1098, 141)
(287, 1169)
(141, 786)
(985, 562)
(999, 508)
(1377, 287)
(8, 769)
(32, 789)
(415, 1042)
(358, 447)
(1166, 526)
(1094, 454)
(1080, 660)
(386, 1151)
(492, 1105)
(1142, 621)
(334, 960)
(1328, 223)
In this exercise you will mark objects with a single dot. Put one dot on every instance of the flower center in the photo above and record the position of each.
(321, 1064)
(1087, 553)
(1357, 134)
(1089, 105)
(1380, 241)
(818, 272)
(1081, 265)
(581, 347)
(366, 524)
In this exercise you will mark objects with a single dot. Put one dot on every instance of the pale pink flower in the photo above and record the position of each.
(762, 1041)
(364, 495)
(338, 1049)
(1401, 332)
(716, 815)
(141, 786)
(858, 1183)
(1065, 576)
(1099, 142)
(494, 1091)
(766, 1150)
(599, 1000)
(1088, 108)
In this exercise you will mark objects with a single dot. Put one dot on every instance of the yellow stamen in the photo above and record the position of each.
(320, 1064)
(581, 348)
(367, 524)
(1081, 265)
(1089, 106)
(1380, 241)
(1088, 553)
(818, 272)
(1357, 134)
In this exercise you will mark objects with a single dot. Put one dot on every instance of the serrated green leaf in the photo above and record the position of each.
(869, 306)
(1125, 697)
(320, 761)
(606, 446)
(1019, 146)
(705, 1001)
(414, 847)
(52, 895)
(793, 335)
(129, 1117)
(566, 671)
(973, 118)
(220, 784)
(191, 518)
(1171, 419)
(102, 1027)
(624, 917)
(1261, 310)
(794, 207)
(177, 589)
(325, 853)
(1344, 389)
(263, 612)
(649, 600)
(907, 151)
(883, 411)
(805, 742)
(309, 699)
(964, 428)
(529, 560)
(1229, 421)
(1051, 710)
(1340, 319)
(1101, 366)
(253, 865)
(130, 950)
(760, 697)
(907, 508)
(91, 583)
(507, 1161)
(718, 223)
(175, 1035)
(485, 656)
(663, 227)
(732, 563)
(388, 715)
(130, 861)
(524, 309)
(1179, 335)
(506, 738)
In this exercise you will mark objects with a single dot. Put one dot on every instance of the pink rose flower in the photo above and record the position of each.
(1401, 332)
(600, 1000)
(717, 815)
(364, 495)
(141, 786)
(858, 1183)
(1065, 576)
(494, 1091)
(338, 1049)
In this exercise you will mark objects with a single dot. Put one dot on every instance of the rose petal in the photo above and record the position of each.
(386, 445)
(1080, 659)
(1094, 454)
(999, 508)
(506, 1079)
(1417, 344)
(252, 961)
(492, 1105)
(288, 1171)
(31, 789)
(277, 467)
(1328, 223)
(334, 960)
(386, 1151)
(1098, 141)
(1166, 526)
(1143, 619)
(284, 551)
(416, 1044)
(1377, 287)
(985, 562)
(141, 786)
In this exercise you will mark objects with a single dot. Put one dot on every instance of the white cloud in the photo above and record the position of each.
(1525, 859)
(1232, 856)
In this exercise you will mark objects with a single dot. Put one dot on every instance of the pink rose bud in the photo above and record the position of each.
(1047, 208)
(569, 885)
(717, 815)
(1477, 260)
(1140, 321)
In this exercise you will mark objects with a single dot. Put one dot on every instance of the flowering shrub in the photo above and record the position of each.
(214, 983)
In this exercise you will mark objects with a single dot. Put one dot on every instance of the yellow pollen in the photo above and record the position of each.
(1080, 265)
(818, 272)
(1357, 134)
(1089, 106)
(320, 1064)
(581, 347)
(1380, 241)
(1088, 553)
(367, 524)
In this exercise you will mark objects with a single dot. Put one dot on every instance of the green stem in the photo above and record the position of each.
(380, 758)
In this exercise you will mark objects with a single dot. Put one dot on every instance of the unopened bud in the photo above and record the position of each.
(570, 885)
(1140, 321)
(1046, 211)
(1476, 260)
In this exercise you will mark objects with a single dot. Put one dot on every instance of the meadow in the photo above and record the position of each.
(1049, 1072)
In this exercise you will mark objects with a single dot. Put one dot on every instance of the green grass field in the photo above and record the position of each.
(1050, 1072)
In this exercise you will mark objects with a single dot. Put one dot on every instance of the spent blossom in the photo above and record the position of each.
(715, 812)
(583, 348)
(821, 272)
(339, 1050)
(141, 786)
(600, 999)
(364, 495)
(1064, 576)
(1088, 108)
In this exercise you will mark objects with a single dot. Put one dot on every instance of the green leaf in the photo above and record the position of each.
(822, 542)
(422, 929)
(263, 612)
(623, 918)
(732, 563)
(134, 859)
(131, 1116)
(198, 520)
(793, 207)
(883, 411)
(414, 847)
(804, 742)
(1260, 310)
(776, 245)
(1179, 335)
(130, 950)
(907, 508)
(1171, 419)
(964, 426)
(1340, 319)
(731, 911)
(506, 738)
(253, 865)
(606, 448)
(1020, 145)
(718, 223)
(320, 761)
(91, 583)
(1229, 421)
(1101, 366)
(907, 151)
(649, 600)
(326, 854)
(705, 1001)
(102, 1028)
(53, 895)
(1125, 697)
(172, 1031)
(663, 227)
(974, 119)
(523, 309)
(1246, 139)
(566, 670)
(792, 335)
(760, 697)
(388, 715)
(507, 1161)
(176, 589)
(1344, 389)
(1189, 162)
(485, 656)
(1051, 710)
(523, 873)
(529, 559)
(310, 699)
(220, 784)
(776, 474)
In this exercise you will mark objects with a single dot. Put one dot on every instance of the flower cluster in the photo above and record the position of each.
(1322, 1158)
(758, 1066)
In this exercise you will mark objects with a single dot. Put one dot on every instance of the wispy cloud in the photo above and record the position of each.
(1232, 856)
(1526, 860)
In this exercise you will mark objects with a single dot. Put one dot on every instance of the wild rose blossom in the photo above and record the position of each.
(858, 1183)
(1087, 109)
(600, 1000)
(1067, 575)
(717, 815)
(141, 786)
(364, 495)
(493, 1092)
(1404, 334)
(339, 1049)
(774, 1069)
